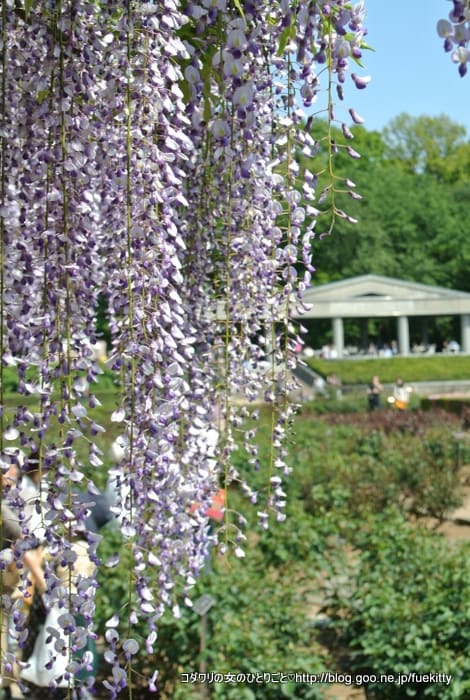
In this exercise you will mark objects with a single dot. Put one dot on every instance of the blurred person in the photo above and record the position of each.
(401, 395)
(12, 533)
(43, 666)
(335, 382)
(319, 386)
(374, 391)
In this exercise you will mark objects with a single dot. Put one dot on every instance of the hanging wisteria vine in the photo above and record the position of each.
(151, 162)
(456, 34)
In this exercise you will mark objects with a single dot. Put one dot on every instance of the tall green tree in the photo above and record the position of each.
(411, 220)
(423, 144)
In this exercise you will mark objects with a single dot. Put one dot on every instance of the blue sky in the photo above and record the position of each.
(409, 68)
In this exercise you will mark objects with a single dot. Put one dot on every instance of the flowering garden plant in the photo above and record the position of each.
(151, 161)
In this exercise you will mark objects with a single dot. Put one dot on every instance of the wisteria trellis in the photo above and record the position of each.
(149, 156)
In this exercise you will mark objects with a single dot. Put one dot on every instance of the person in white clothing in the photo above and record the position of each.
(401, 395)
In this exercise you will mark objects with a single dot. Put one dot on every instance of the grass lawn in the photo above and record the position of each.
(412, 369)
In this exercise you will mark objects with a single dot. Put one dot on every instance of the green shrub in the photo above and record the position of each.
(345, 467)
(454, 405)
(258, 624)
(351, 402)
(10, 380)
(408, 610)
(348, 467)
(261, 624)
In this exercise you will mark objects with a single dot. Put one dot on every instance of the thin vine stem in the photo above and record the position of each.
(227, 336)
(130, 291)
(67, 280)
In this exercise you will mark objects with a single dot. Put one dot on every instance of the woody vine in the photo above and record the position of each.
(150, 158)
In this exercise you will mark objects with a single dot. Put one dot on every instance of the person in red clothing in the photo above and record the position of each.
(215, 511)
(217, 507)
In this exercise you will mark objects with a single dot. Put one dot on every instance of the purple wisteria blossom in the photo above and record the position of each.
(151, 162)
(456, 34)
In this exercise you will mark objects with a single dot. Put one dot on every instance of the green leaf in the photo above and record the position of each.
(42, 95)
(27, 7)
(358, 61)
(237, 4)
(206, 73)
(284, 38)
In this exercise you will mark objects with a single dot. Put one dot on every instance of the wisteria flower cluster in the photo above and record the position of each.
(150, 162)
(456, 34)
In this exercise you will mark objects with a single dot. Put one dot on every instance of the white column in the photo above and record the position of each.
(403, 336)
(465, 332)
(338, 336)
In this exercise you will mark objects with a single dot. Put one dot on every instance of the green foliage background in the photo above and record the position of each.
(360, 483)
(393, 596)
(413, 211)
(414, 179)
